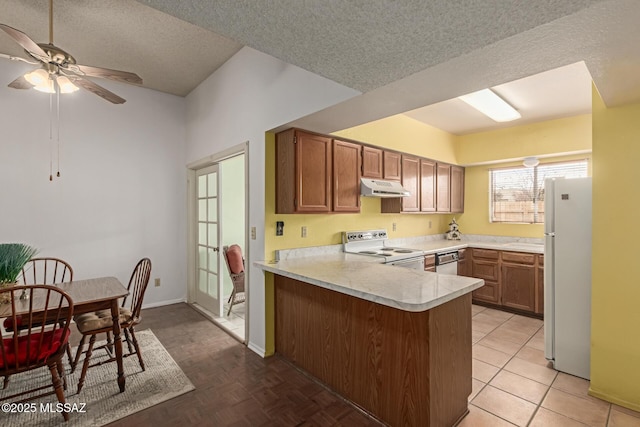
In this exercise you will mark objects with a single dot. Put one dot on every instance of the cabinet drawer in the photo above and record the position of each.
(487, 270)
(518, 257)
(485, 253)
(490, 292)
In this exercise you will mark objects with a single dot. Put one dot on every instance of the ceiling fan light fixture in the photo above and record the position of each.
(37, 77)
(491, 105)
(65, 85)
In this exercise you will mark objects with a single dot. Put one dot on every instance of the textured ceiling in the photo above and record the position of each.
(367, 44)
(170, 55)
(402, 55)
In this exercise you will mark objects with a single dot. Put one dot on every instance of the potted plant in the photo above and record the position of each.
(13, 256)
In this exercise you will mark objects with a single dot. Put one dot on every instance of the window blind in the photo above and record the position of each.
(517, 194)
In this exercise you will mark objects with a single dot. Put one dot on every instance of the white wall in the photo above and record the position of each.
(250, 94)
(122, 192)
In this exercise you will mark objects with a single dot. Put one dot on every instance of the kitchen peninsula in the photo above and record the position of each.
(395, 341)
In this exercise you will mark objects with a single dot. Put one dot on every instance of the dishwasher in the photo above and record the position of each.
(447, 263)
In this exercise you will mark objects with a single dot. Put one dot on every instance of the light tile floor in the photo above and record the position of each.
(513, 384)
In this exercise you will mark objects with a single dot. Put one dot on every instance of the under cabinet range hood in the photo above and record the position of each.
(382, 188)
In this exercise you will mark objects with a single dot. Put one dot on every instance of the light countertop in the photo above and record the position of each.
(366, 278)
(447, 245)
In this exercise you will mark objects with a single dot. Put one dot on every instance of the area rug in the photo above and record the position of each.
(100, 401)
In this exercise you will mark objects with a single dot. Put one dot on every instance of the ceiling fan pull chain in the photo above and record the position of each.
(50, 137)
(58, 130)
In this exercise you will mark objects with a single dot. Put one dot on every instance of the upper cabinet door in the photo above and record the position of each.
(313, 173)
(346, 176)
(427, 185)
(371, 162)
(411, 181)
(457, 189)
(443, 202)
(391, 166)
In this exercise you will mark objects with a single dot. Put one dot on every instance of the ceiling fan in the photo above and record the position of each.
(58, 70)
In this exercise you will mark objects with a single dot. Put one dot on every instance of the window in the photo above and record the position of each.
(517, 194)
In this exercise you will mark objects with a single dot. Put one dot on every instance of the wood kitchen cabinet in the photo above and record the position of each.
(346, 176)
(392, 169)
(430, 263)
(457, 189)
(316, 174)
(464, 263)
(372, 163)
(410, 174)
(485, 265)
(518, 280)
(427, 185)
(540, 286)
(513, 280)
(443, 182)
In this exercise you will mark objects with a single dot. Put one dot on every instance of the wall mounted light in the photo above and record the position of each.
(531, 162)
(491, 105)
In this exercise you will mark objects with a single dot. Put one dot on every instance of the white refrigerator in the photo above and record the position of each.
(567, 274)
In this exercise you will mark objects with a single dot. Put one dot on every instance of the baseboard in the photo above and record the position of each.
(163, 303)
(613, 399)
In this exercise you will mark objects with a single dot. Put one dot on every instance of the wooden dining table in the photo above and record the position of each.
(91, 295)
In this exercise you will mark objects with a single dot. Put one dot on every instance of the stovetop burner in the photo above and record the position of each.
(372, 242)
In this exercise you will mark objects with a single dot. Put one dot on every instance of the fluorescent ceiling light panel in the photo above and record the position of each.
(491, 105)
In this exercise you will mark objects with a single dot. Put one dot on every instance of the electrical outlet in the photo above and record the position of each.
(253, 233)
(303, 231)
(394, 226)
(157, 281)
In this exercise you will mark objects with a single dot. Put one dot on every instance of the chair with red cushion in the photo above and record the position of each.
(92, 324)
(41, 341)
(43, 271)
(235, 265)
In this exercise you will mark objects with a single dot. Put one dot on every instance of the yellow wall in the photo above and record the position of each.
(554, 137)
(543, 139)
(615, 312)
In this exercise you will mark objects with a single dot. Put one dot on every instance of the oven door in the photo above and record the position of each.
(416, 263)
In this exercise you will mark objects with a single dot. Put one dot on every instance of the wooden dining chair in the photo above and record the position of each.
(46, 271)
(235, 265)
(92, 324)
(42, 341)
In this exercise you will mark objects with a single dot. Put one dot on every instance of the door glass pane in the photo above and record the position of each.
(213, 185)
(202, 186)
(202, 210)
(202, 257)
(213, 209)
(213, 234)
(202, 281)
(213, 285)
(202, 233)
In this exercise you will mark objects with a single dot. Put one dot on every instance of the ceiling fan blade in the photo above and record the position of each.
(23, 40)
(97, 89)
(105, 73)
(20, 83)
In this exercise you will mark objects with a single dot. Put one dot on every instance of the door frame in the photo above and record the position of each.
(192, 229)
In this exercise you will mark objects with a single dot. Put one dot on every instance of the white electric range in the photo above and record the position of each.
(374, 243)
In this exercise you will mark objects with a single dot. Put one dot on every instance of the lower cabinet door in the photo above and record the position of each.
(490, 292)
(519, 286)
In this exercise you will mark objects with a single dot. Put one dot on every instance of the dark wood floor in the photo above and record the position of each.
(234, 386)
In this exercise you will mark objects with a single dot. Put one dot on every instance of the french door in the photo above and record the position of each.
(208, 289)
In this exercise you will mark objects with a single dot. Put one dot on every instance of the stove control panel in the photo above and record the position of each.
(358, 236)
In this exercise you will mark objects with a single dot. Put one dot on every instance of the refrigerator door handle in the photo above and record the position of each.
(550, 234)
